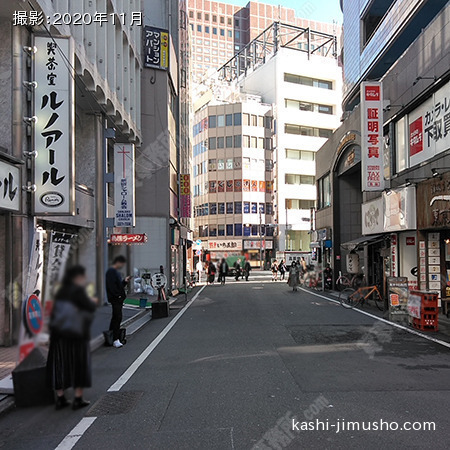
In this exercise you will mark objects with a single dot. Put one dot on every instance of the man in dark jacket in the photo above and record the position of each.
(115, 289)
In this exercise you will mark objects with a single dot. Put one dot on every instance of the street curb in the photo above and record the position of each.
(7, 404)
(99, 340)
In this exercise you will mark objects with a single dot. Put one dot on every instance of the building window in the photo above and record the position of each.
(229, 120)
(305, 106)
(246, 207)
(246, 142)
(304, 155)
(221, 208)
(269, 209)
(220, 164)
(207, 30)
(199, 16)
(268, 144)
(237, 34)
(199, 28)
(222, 19)
(262, 208)
(214, 18)
(214, 30)
(247, 230)
(246, 118)
(206, 16)
(222, 32)
(269, 165)
(291, 178)
(213, 231)
(229, 163)
(237, 119)
(230, 209)
(220, 142)
(236, 22)
(230, 34)
(246, 163)
(212, 165)
(255, 230)
(238, 207)
(212, 121)
(261, 143)
(254, 120)
(253, 142)
(230, 230)
(254, 208)
(221, 121)
(229, 141)
(221, 230)
(213, 209)
(212, 143)
(306, 81)
(324, 192)
(299, 203)
(238, 229)
(237, 141)
(307, 131)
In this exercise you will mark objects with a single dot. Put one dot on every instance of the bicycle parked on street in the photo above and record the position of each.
(352, 298)
(349, 281)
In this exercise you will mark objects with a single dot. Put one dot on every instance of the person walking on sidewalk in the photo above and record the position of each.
(275, 271)
(115, 289)
(69, 356)
(223, 271)
(247, 269)
(282, 269)
(294, 276)
(199, 268)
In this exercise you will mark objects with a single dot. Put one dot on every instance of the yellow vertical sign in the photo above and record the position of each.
(164, 50)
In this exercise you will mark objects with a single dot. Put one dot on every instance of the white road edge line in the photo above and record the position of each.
(75, 435)
(393, 324)
(125, 377)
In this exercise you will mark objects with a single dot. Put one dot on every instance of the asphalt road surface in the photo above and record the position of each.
(250, 366)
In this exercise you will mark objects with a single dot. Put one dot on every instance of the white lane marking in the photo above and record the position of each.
(393, 324)
(74, 436)
(125, 377)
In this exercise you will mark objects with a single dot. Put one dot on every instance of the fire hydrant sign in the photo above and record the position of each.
(124, 190)
(372, 136)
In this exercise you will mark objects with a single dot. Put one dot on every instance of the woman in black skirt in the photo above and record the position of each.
(69, 358)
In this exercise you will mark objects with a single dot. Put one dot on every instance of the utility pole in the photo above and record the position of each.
(260, 240)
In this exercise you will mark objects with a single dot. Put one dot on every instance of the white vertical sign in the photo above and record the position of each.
(53, 131)
(10, 187)
(372, 169)
(124, 189)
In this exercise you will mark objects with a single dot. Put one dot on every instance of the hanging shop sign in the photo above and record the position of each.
(400, 209)
(118, 239)
(372, 216)
(58, 254)
(372, 136)
(433, 196)
(256, 245)
(53, 126)
(10, 187)
(224, 245)
(394, 255)
(156, 48)
(429, 127)
(185, 195)
(124, 185)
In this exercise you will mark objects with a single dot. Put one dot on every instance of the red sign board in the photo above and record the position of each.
(128, 239)
(416, 137)
(411, 240)
(372, 93)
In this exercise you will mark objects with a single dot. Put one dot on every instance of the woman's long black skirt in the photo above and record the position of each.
(69, 363)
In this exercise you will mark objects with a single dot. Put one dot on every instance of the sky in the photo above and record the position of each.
(321, 10)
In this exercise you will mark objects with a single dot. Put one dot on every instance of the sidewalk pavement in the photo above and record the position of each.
(443, 332)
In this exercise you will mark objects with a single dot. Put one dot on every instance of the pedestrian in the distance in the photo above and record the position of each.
(275, 271)
(304, 265)
(199, 269)
(223, 271)
(247, 269)
(211, 272)
(282, 269)
(294, 276)
(69, 356)
(237, 269)
(115, 289)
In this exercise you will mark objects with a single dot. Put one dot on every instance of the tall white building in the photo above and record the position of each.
(306, 90)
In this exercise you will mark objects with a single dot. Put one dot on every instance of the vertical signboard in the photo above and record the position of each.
(185, 195)
(53, 128)
(124, 188)
(372, 168)
(10, 187)
(156, 48)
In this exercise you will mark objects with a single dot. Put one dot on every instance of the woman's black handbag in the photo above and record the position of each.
(68, 321)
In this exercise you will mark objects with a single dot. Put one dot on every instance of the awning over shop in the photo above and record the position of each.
(362, 241)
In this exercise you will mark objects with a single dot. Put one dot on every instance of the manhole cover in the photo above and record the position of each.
(114, 403)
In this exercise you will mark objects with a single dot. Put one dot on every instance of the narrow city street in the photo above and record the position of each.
(243, 367)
